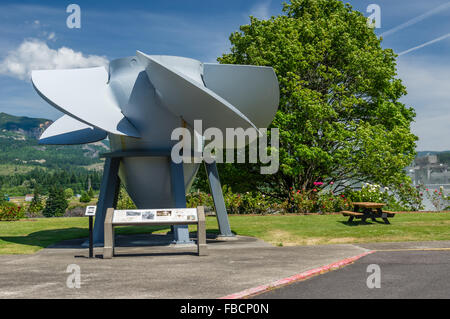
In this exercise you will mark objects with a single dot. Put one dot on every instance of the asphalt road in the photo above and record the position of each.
(404, 274)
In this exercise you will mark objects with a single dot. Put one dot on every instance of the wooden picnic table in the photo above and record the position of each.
(370, 210)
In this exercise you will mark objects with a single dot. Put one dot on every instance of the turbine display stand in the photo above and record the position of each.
(110, 187)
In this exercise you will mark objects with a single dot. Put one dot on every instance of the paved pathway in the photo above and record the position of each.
(160, 271)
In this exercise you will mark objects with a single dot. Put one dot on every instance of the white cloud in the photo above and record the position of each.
(261, 10)
(34, 54)
(428, 92)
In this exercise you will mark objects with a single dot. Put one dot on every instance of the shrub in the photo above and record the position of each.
(300, 202)
(437, 198)
(368, 193)
(331, 203)
(198, 198)
(85, 197)
(68, 193)
(256, 203)
(10, 211)
(233, 202)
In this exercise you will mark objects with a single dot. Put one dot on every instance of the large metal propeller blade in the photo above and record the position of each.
(253, 90)
(185, 96)
(85, 95)
(68, 131)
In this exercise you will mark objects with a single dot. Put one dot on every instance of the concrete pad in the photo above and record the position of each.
(160, 270)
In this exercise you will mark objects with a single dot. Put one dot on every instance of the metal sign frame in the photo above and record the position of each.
(109, 240)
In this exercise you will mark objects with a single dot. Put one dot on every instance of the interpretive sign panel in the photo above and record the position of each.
(155, 216)
(169, 216)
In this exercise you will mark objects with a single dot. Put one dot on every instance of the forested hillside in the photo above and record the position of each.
(30, 126)
(24, 164)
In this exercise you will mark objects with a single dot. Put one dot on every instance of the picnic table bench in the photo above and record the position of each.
(364, 210)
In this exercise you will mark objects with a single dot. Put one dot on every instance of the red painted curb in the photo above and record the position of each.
(291, 279)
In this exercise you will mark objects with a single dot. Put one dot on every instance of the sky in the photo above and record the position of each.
(34, 34)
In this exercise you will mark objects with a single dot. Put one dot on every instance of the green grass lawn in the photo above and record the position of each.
(333, 229)
(29, 235)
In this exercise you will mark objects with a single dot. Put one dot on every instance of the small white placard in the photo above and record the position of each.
(155, 215)
(90, 211)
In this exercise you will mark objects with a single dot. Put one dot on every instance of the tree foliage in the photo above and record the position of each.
(36, 203)
(339, 116)
(76, 179)
(56, 203)
(91, 192)
(85, 198)
(124, 200)
(68, 193)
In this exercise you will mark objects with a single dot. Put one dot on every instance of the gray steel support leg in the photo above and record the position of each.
(107, 198)
(180, 232)
(219, 202)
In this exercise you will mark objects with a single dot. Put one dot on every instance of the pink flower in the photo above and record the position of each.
(318, 183)
(331, 183)
(314, 190)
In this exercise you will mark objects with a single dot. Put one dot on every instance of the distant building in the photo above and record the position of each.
(428, 170)
(29, 197)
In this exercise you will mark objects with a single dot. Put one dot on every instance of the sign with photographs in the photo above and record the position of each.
(143, 217)
(155, 215)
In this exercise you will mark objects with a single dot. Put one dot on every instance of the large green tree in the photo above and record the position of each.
(339, 116)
